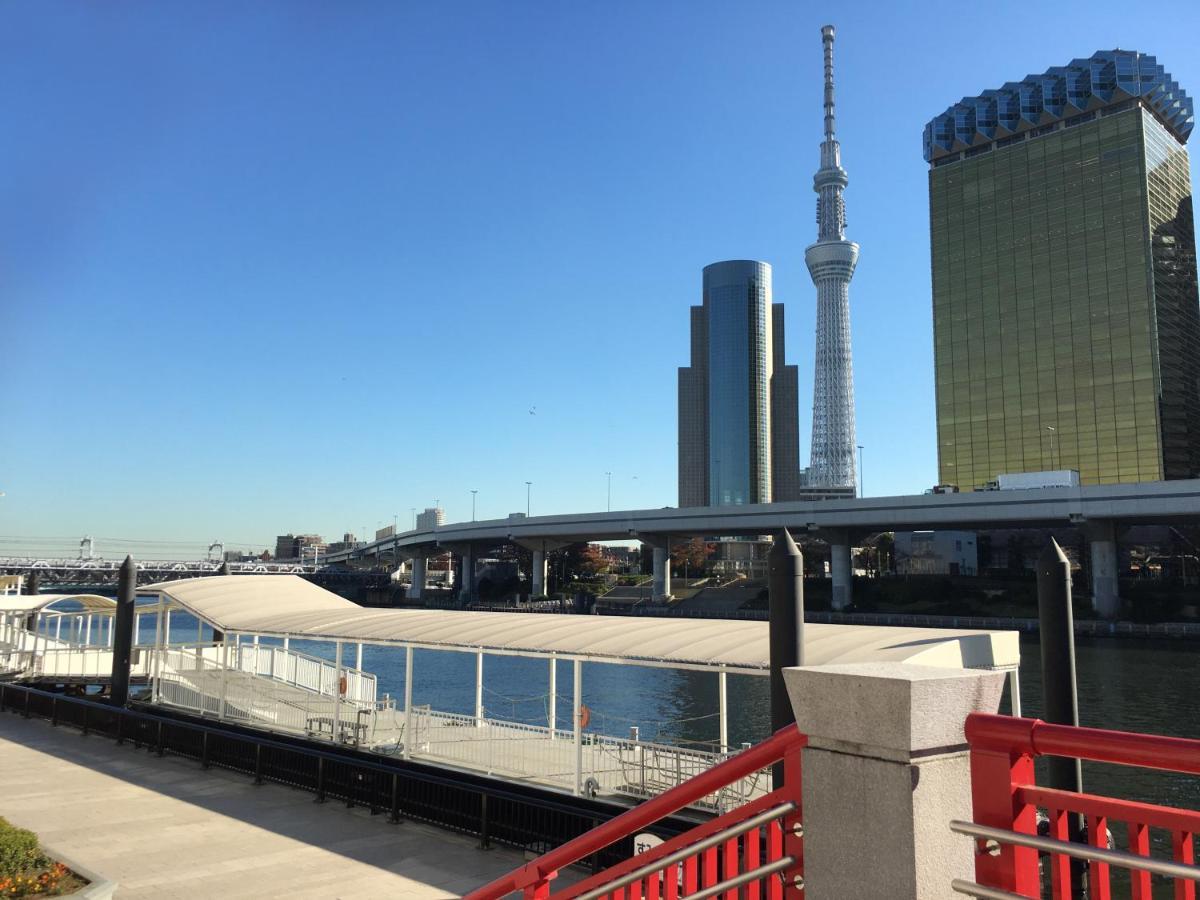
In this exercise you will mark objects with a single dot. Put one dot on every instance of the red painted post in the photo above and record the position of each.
(1099, 885)
(1183, 849)
(1060, 865)
(691, 879)
(793, 828)
(731, 866)
(753, 852)
(774, 851)
(1139, 843)
(1001, 758)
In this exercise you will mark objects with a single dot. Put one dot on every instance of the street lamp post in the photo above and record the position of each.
(473, 493)
(861, 492)
(528, 492)
(1052, 430)
(609, 476)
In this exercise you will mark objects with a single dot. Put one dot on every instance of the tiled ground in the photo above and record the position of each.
(163, 828)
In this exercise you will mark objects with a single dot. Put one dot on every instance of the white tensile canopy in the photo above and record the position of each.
(287, 606)
(27, 603)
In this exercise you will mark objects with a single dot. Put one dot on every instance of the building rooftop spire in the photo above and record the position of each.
(827, 34)
(830, 180)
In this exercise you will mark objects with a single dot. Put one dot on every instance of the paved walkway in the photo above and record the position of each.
(163, 828)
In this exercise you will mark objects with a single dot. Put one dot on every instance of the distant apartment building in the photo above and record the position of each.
(738, 400)
(1065, 312)
(936, 553)
(299, 546)
(431, 518)
(349, 541)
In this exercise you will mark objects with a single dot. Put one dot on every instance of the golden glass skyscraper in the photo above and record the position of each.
(1065, 310)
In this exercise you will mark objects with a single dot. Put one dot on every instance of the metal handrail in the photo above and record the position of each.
(783, 742)
(745, 878)
(971, 889)
(1119, 858)
(683, 853)
(1006, 734)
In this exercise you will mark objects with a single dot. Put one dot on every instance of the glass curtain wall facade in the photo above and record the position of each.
(1066, 319)
(738, 415)
(738, 299)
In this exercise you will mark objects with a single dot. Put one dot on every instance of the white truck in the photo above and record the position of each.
(1024, 481)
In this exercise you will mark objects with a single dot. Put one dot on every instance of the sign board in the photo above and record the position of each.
(645, 842)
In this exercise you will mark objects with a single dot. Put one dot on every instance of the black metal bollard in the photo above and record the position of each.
(1056, 623)
(394, 818)
(485, 842)
(785, 565)
(123, 633)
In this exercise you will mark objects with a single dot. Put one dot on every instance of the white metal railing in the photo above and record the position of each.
(310, 673)
(195, 679)
(606, 764)
(82, 662)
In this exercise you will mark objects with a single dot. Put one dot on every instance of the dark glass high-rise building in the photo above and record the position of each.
(738, 400)
(1065, 310)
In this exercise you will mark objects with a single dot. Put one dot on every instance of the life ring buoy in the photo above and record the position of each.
(585, 715)
(342, 685)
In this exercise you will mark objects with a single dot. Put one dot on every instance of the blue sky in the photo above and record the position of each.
(301, 266)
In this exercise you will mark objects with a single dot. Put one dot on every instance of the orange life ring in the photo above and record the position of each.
(342, 684)
(585, 716)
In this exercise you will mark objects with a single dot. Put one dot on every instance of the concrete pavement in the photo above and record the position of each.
(163, 828)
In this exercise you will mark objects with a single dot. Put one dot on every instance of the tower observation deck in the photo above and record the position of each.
(831, 261)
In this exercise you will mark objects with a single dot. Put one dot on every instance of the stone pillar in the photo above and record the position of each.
(662, 573)
(885, 770)
(839, 569)
(1106, 599)
(538, 576)
(416, 589)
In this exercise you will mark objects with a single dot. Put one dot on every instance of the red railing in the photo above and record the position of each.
(1006, 801)
(756, 850)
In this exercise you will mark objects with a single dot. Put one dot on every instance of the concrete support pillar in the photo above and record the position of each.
(538, 588)
(886, 768)
(416, 590)
(1106, 599)
(662, 573)
(839, 569)
(466, 556)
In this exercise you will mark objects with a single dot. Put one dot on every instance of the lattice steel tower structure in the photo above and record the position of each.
(831, 262)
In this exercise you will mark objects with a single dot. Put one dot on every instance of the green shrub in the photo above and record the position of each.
(18, 850)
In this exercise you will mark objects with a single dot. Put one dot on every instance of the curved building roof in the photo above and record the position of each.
(289, 606)
(1105, 78)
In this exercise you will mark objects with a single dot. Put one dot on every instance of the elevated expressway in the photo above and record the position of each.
(1099, 510)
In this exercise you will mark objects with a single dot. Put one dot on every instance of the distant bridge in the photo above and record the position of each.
(104, 571)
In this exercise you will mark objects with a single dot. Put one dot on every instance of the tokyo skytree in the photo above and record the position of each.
(831, 262)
